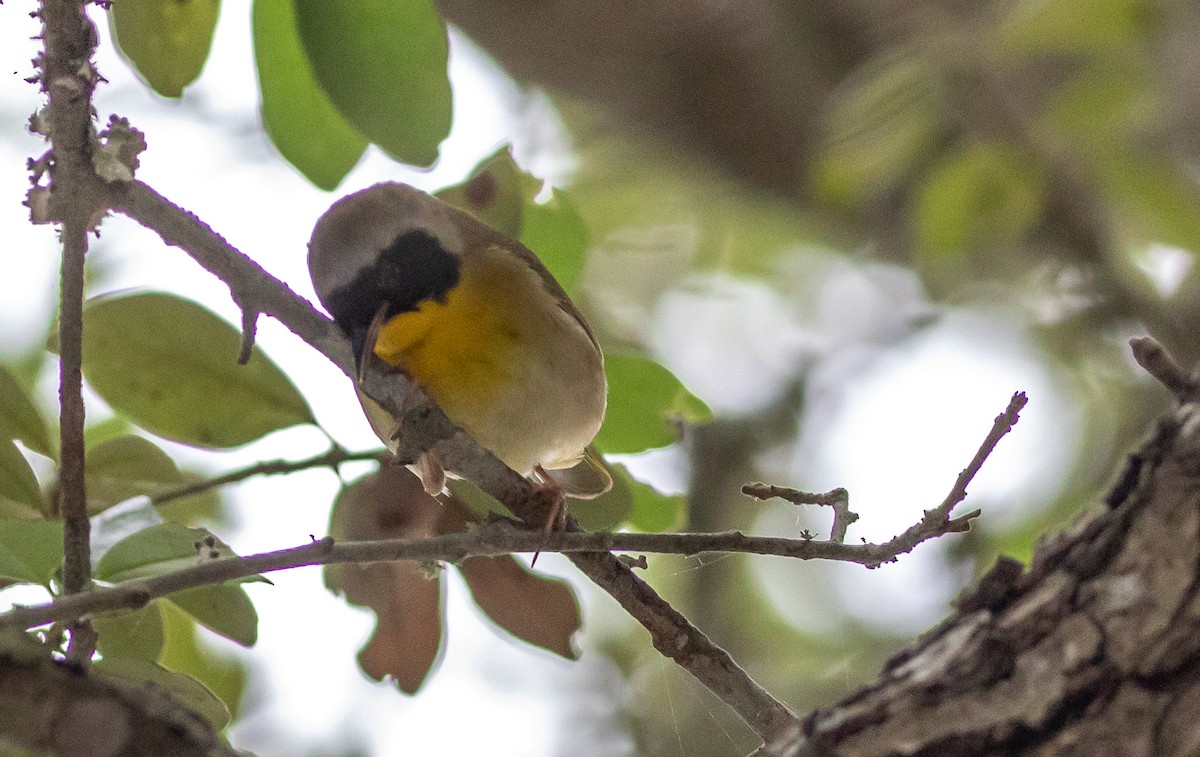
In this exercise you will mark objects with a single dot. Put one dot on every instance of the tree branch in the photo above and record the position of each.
(838, 499)
(423, 427)
(496, 538)
(331, 459)
(76, 202)
(1156, 361)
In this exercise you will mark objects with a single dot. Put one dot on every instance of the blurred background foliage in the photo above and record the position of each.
(786, 204)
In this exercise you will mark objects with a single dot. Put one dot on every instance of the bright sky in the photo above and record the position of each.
(207, 153)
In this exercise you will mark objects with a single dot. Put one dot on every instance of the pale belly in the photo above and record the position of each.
(506, 363)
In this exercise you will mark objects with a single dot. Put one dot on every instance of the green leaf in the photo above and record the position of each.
(19, 416)
(132, 633)
(224, 609)
(105, 430)
(299, 118)
(609, 510)
(644, 401)
(194, 509)
(186, 690)
(383, 64)
(1086, 27)
(170, 366)
(981, 195)
(168, 547)
(31, 551)
(125, 467)
(475, 499)
(497, 193)
(19, 492)
(501, 194)
(1155, 201)
(653, 511)
(166, 41)
(557, 234)
(1098, 110)
(156, 550)
(184, 653)
(877, 127)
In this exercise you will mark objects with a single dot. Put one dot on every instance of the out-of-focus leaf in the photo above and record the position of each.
(125, 467)
(981, 195)
(557, 234)
(184, 653)
(1100, 108)
(496, 193)
(609, 510)
(19, 492)
(644, 399)
(30, 550)
(195, 510)
(224, 609)
(1156, 201)
(535, 608)
(384, 67)
(501, 194)
(880, 123)
(1089, 27)
(167, 41)
(116, 524)
(170, 366)
(653, 511)
(475, 499)
(131, 633)
(156, 550)
(106, 430)
(20, 418)
(299, 118)
(186, 690)
(407, 640)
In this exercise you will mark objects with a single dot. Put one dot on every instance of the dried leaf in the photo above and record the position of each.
(407, 640)
(538, 609)
(535, 608)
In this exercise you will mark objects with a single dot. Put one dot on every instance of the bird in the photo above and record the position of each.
(476, 321)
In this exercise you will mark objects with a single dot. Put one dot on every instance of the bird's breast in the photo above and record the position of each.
(461, 346)
(504, 360)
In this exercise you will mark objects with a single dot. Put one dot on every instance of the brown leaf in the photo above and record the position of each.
(536, 608)
(408, 633)
(541, 610)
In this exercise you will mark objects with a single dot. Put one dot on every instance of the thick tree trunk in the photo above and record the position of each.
(1094, 651)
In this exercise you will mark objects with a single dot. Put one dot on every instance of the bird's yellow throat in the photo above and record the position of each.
(462, 349)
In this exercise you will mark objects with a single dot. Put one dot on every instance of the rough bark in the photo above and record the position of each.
(50, 708)
(1095, 650)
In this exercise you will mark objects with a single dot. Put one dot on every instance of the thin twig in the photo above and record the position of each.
(1156, 361)
(424, 427)
(937, 521)
(331, 459)
(249, 334)
(838, 499)
(496, 538)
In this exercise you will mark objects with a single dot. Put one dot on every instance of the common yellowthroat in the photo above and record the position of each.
(476, 320)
